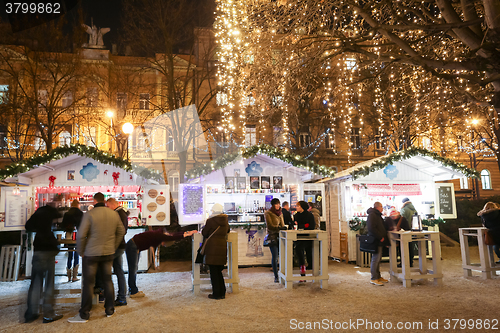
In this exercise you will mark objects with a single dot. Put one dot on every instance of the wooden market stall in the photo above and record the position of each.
(415, 173)
(245, 184)
(78, 172)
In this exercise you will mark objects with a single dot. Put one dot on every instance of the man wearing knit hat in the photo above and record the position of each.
(407, 211)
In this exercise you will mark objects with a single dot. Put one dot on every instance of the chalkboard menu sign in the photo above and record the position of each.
(445, 200)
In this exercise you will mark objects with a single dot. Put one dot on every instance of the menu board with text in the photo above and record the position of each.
(16, 209)
(445, 201)
(191, 203)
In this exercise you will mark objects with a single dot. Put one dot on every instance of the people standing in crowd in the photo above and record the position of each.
(100, 234)
(144, 241)
(287, 216)
(217, 228)
(376, 229)
(46, 248)
(312, 208)
(70, 223)
(305, 221)
(490, 216)
(275, 222)
(121, 298)
(397, 222)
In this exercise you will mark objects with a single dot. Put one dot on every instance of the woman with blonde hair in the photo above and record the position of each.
(490, 216)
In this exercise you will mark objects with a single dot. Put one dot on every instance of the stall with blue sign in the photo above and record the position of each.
(415, 174)
(244, 185)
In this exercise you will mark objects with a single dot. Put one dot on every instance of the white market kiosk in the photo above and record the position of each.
(79, 177)
(413, 176)
(245, 188)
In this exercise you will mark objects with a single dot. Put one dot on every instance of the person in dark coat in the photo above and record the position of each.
(304, 221)
(216, 249)
(490, 216)
(46, 248)
(121, 298)
(287, 216)
(70, 223)
(376, 229)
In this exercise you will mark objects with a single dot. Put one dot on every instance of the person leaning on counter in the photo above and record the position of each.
(144, 241)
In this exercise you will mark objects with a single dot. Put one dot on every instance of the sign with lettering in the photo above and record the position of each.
(445, 195)
(191, 203)
(16, 209)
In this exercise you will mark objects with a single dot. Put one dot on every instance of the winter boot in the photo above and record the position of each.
(68, 272)
(75, 273)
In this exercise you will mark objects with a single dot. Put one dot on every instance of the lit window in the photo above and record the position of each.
(3, 93)
(67, 99)
(42, 98)
(380, 143)
(486, 179)
(39, 142)
(173, 181)
(278, 138)
(350, 63)
(144, 101)
(277, 101)
(464, 183)
(250, 136)
(249, 100)
(121, 104)
(221, 98)
(426, 143)
(330, 139)
(304, 139)
(355, 139)
(64, 138)
(92, 97)
(170, 141)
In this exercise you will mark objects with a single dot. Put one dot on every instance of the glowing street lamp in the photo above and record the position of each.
(127, 129)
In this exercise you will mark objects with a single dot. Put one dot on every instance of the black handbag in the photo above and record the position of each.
(368, 243)
(270, 240)
(200, 255)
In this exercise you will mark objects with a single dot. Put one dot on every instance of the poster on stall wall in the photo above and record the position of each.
(315, 193)
(16, 209)
(191, 203)
(156, 205)
(294, 196)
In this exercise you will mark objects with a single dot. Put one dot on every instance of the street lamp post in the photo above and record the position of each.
(127, 128)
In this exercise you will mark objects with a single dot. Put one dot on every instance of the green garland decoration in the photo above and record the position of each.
(408, 153)
(273, 152)
(58, 153)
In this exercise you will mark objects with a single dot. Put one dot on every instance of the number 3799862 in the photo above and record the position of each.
(32, 7)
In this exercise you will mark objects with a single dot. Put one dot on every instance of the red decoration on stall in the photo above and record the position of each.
(116, 175)
(131, 178)
(105, 172)
(149, 216)
(51, 181)
(161, 193)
